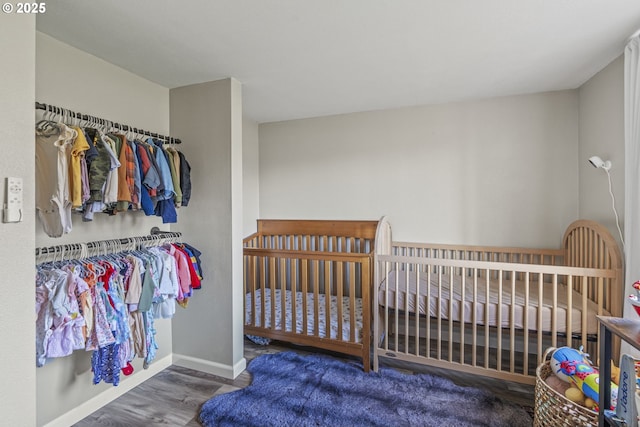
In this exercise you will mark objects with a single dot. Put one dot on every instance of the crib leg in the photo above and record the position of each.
(366, 353)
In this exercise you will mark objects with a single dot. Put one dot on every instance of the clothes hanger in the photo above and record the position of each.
(47, 127)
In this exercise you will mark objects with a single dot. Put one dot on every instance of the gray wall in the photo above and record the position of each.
(209, 115)
(602, 134)
(17, 332)
(499, 171)
(250, 176)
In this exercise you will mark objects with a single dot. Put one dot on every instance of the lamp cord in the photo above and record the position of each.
(613, 204)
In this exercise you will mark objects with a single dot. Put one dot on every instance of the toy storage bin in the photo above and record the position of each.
(553, 409)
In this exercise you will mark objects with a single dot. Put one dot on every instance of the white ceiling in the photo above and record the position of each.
(306, 58)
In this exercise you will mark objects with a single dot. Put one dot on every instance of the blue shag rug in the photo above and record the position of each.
(293, 390)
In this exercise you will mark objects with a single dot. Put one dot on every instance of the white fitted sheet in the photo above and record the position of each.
(463, 311)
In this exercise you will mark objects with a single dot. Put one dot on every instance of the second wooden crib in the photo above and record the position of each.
(309, 282)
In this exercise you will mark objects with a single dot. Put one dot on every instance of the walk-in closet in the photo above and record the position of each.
(203, 122)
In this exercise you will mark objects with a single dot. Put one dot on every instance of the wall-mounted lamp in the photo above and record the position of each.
(598, 163)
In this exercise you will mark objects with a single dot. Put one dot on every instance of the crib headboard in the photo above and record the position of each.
(316, 235)
(589, 244)
(341, 228)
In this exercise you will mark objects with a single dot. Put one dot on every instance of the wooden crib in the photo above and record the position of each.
(493, 311)
(309, 282)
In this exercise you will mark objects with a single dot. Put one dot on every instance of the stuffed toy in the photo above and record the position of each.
(573, 366)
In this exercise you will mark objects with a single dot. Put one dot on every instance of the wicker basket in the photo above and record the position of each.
(553, 409)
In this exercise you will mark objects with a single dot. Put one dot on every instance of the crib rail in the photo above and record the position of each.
(479, 253)
(461, 308)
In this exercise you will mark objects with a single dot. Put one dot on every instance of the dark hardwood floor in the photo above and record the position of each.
(173, 397)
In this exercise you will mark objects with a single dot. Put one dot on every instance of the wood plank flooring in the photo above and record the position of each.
(173, 397)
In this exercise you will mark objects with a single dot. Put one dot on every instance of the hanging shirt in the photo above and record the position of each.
(80, 146)
(165, 172)
(175, 178)
(53, 201)
(110, 192)
(185, 179)
(99, 169)
(164, 304)
(137, 179)
(150, 176)
(125, 174)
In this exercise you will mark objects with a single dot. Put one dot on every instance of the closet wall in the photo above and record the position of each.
(17, 95)
(70, 78)
(73, 79)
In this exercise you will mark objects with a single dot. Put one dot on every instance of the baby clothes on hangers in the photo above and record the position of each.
(53, 202)
(108, 305)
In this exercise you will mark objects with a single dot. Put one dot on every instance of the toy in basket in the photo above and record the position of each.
(573, 366)
(552, 406)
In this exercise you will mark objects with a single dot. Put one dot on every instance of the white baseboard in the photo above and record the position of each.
(90, 406)
(219, 369)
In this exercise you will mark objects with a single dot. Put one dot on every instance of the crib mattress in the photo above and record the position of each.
(396, 298)
(300, 310)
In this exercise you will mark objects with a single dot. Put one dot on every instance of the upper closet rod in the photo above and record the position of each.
(110, 246)
(125, 128)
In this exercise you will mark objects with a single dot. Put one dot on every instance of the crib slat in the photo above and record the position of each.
(584, 288)
(396, 313)
(316, 297)
(367, 278)
(282, 282)
(569, 328)
(474, 326)
(263, 291)
(512, 326)
(339, 293)
(294, 297)
(427, 337)
(386, 307)
(405, 305)
(539, 325)
(272, 281)
(486, 319)
(440, 315)
(417, 308)
(327, 297)
(499, 322)
(463, 300)
(554, 312)
(525, 363)
(246, 282)
(352, 302)
(304, 271)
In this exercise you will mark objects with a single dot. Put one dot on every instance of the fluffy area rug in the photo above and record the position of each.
(293, 390)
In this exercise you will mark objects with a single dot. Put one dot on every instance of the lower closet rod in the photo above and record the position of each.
(100, 244)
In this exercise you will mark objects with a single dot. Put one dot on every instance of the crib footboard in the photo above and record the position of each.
(313, 298)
